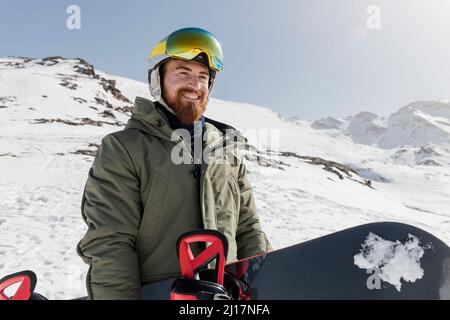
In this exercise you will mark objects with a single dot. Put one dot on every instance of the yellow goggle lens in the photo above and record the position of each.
(189, 42)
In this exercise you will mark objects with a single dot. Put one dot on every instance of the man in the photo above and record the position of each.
(139, 198)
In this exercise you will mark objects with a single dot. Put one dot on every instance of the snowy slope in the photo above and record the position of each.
(309, 179)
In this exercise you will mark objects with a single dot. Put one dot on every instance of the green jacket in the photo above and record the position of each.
(137, 202)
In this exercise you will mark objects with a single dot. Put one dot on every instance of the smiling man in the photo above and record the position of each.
(137, 200)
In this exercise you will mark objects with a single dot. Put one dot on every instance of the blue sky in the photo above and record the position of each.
(304, 58)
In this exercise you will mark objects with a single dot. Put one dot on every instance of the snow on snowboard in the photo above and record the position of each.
(384, 260)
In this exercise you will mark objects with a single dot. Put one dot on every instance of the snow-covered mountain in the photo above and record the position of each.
(417, 124)
(309, 178)
(366, 128)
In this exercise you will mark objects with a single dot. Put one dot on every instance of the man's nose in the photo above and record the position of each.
(195, 83)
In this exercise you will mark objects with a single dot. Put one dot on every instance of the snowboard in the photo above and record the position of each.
(385, 260)
(376, 261)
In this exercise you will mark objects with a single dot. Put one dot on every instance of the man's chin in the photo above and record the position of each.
(189, 113)
(188, 120)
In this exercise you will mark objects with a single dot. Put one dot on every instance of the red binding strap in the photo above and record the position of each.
(216, 250)
(27, 281)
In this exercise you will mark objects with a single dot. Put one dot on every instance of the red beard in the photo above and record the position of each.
(187, 111)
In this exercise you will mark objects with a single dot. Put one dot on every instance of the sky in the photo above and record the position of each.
(304, 58)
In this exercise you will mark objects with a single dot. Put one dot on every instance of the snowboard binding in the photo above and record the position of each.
(197, 282)
(25, 291)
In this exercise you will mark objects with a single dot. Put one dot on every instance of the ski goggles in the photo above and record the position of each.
(186, 44)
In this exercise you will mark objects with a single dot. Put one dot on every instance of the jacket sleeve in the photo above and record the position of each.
(111, 207)
(250, 238)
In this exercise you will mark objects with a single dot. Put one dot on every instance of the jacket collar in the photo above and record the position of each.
(148, 118)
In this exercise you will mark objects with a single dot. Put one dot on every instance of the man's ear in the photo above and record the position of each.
(149, 73)
(155, 85)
